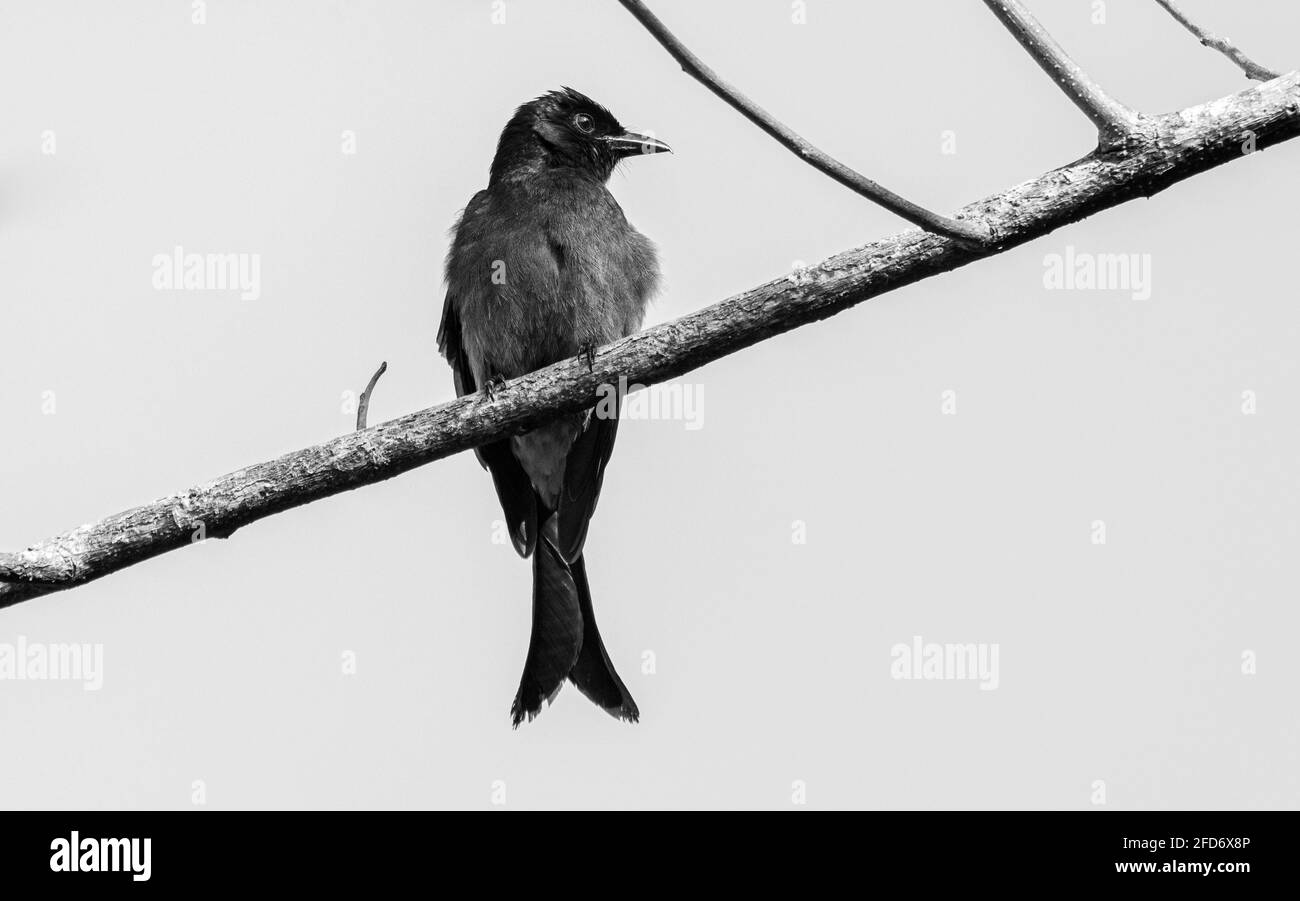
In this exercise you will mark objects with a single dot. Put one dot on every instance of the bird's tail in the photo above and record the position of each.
(565, 642)
(593, 672)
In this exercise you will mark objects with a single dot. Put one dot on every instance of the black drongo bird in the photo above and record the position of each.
(544, 266)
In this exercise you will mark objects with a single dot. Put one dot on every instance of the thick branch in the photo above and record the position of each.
(1114, 121)
(1223, 45)
(34, 569)
(1175, 147)
(973, 232)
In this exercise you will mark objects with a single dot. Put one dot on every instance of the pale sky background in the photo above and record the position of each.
(222, 663)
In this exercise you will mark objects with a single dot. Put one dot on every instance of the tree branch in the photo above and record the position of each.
(35, 569)
(363, 407)
(1175, 147)
(974, 233)
(1114, 121)
(1223, 45)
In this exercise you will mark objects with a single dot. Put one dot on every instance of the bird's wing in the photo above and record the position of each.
(449, 345)
(515, 491)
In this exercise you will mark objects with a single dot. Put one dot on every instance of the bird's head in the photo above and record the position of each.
(567, 129)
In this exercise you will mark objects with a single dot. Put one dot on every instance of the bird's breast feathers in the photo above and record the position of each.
(542, 270)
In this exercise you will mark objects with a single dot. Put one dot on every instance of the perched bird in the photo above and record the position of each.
(544, 266)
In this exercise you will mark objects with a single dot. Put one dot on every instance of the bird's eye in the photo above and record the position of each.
(584, 123)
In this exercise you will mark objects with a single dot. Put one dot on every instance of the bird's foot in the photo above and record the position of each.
(493, 385)
(588, 352)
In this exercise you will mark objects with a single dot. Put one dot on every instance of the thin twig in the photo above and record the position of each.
(966, 231)
(1223, 45)
(363, 408)
(1114, 121)
(1171, 149)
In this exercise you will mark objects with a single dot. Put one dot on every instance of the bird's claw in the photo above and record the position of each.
(492, 386)
(588, 352)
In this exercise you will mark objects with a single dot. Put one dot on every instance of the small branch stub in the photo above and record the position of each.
(363, 407)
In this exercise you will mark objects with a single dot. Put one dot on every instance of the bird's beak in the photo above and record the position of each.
(629, 143)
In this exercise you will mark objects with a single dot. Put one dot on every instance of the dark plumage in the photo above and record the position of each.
(543, 266)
